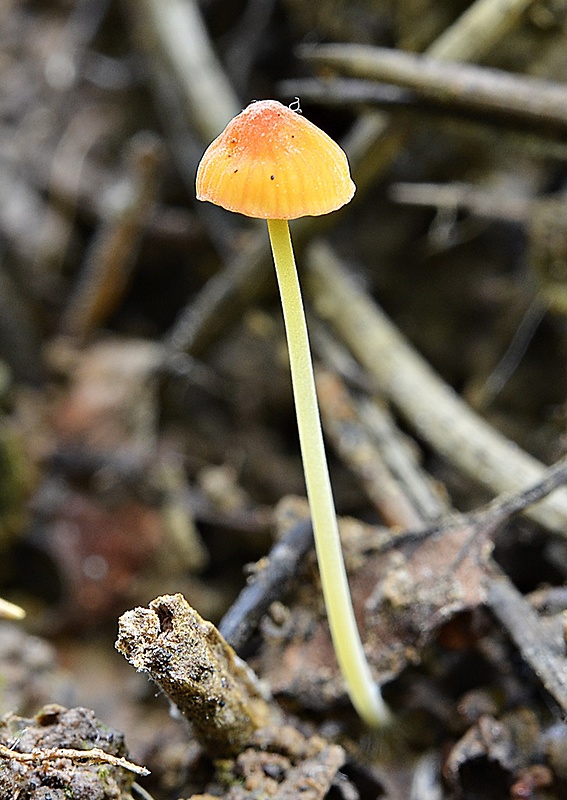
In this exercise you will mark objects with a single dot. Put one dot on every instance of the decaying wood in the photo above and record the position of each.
(283, 764)
(406, 586)
(199, 672)
(221, 698)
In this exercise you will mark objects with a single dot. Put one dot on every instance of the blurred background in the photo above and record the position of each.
(147, 434)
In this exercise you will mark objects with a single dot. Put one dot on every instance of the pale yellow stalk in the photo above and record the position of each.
(362, 689)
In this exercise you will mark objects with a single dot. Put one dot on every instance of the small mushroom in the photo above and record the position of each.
(272, 163)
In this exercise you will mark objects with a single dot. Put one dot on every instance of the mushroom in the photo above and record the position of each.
(272, 163)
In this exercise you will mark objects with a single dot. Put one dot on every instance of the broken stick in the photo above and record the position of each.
(199, 672)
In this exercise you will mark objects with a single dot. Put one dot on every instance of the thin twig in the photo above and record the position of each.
(193, 94)
(460, 86)
(402, 460)
(492, 385)
(268, 583)
(487, 517)
(485, 203)
(540, 141)
(174, 32)
(93, 756)
(508, 504)
(356, 447)
(400, 456)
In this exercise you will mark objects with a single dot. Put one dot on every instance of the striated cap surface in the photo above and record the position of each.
(272, 163)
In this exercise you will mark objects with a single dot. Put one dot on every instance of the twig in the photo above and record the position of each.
(371, 137)
(357, 448)
(93, 756)
(268, 583)
(399, 456)
(528, 100)
(246, 41)
(487, 517)
(243, 279)
(536, 140)
(508, 504)
(485, 393)
(402, 460)
(200, 673)
(543, 651)
(487, 203)
(434, 410)
(193, 94)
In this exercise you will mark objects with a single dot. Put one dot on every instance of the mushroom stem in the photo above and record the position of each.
(362, 689)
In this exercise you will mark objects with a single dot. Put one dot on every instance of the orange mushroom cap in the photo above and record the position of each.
(272, 163)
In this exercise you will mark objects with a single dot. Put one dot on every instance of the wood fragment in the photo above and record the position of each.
(199, 672)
